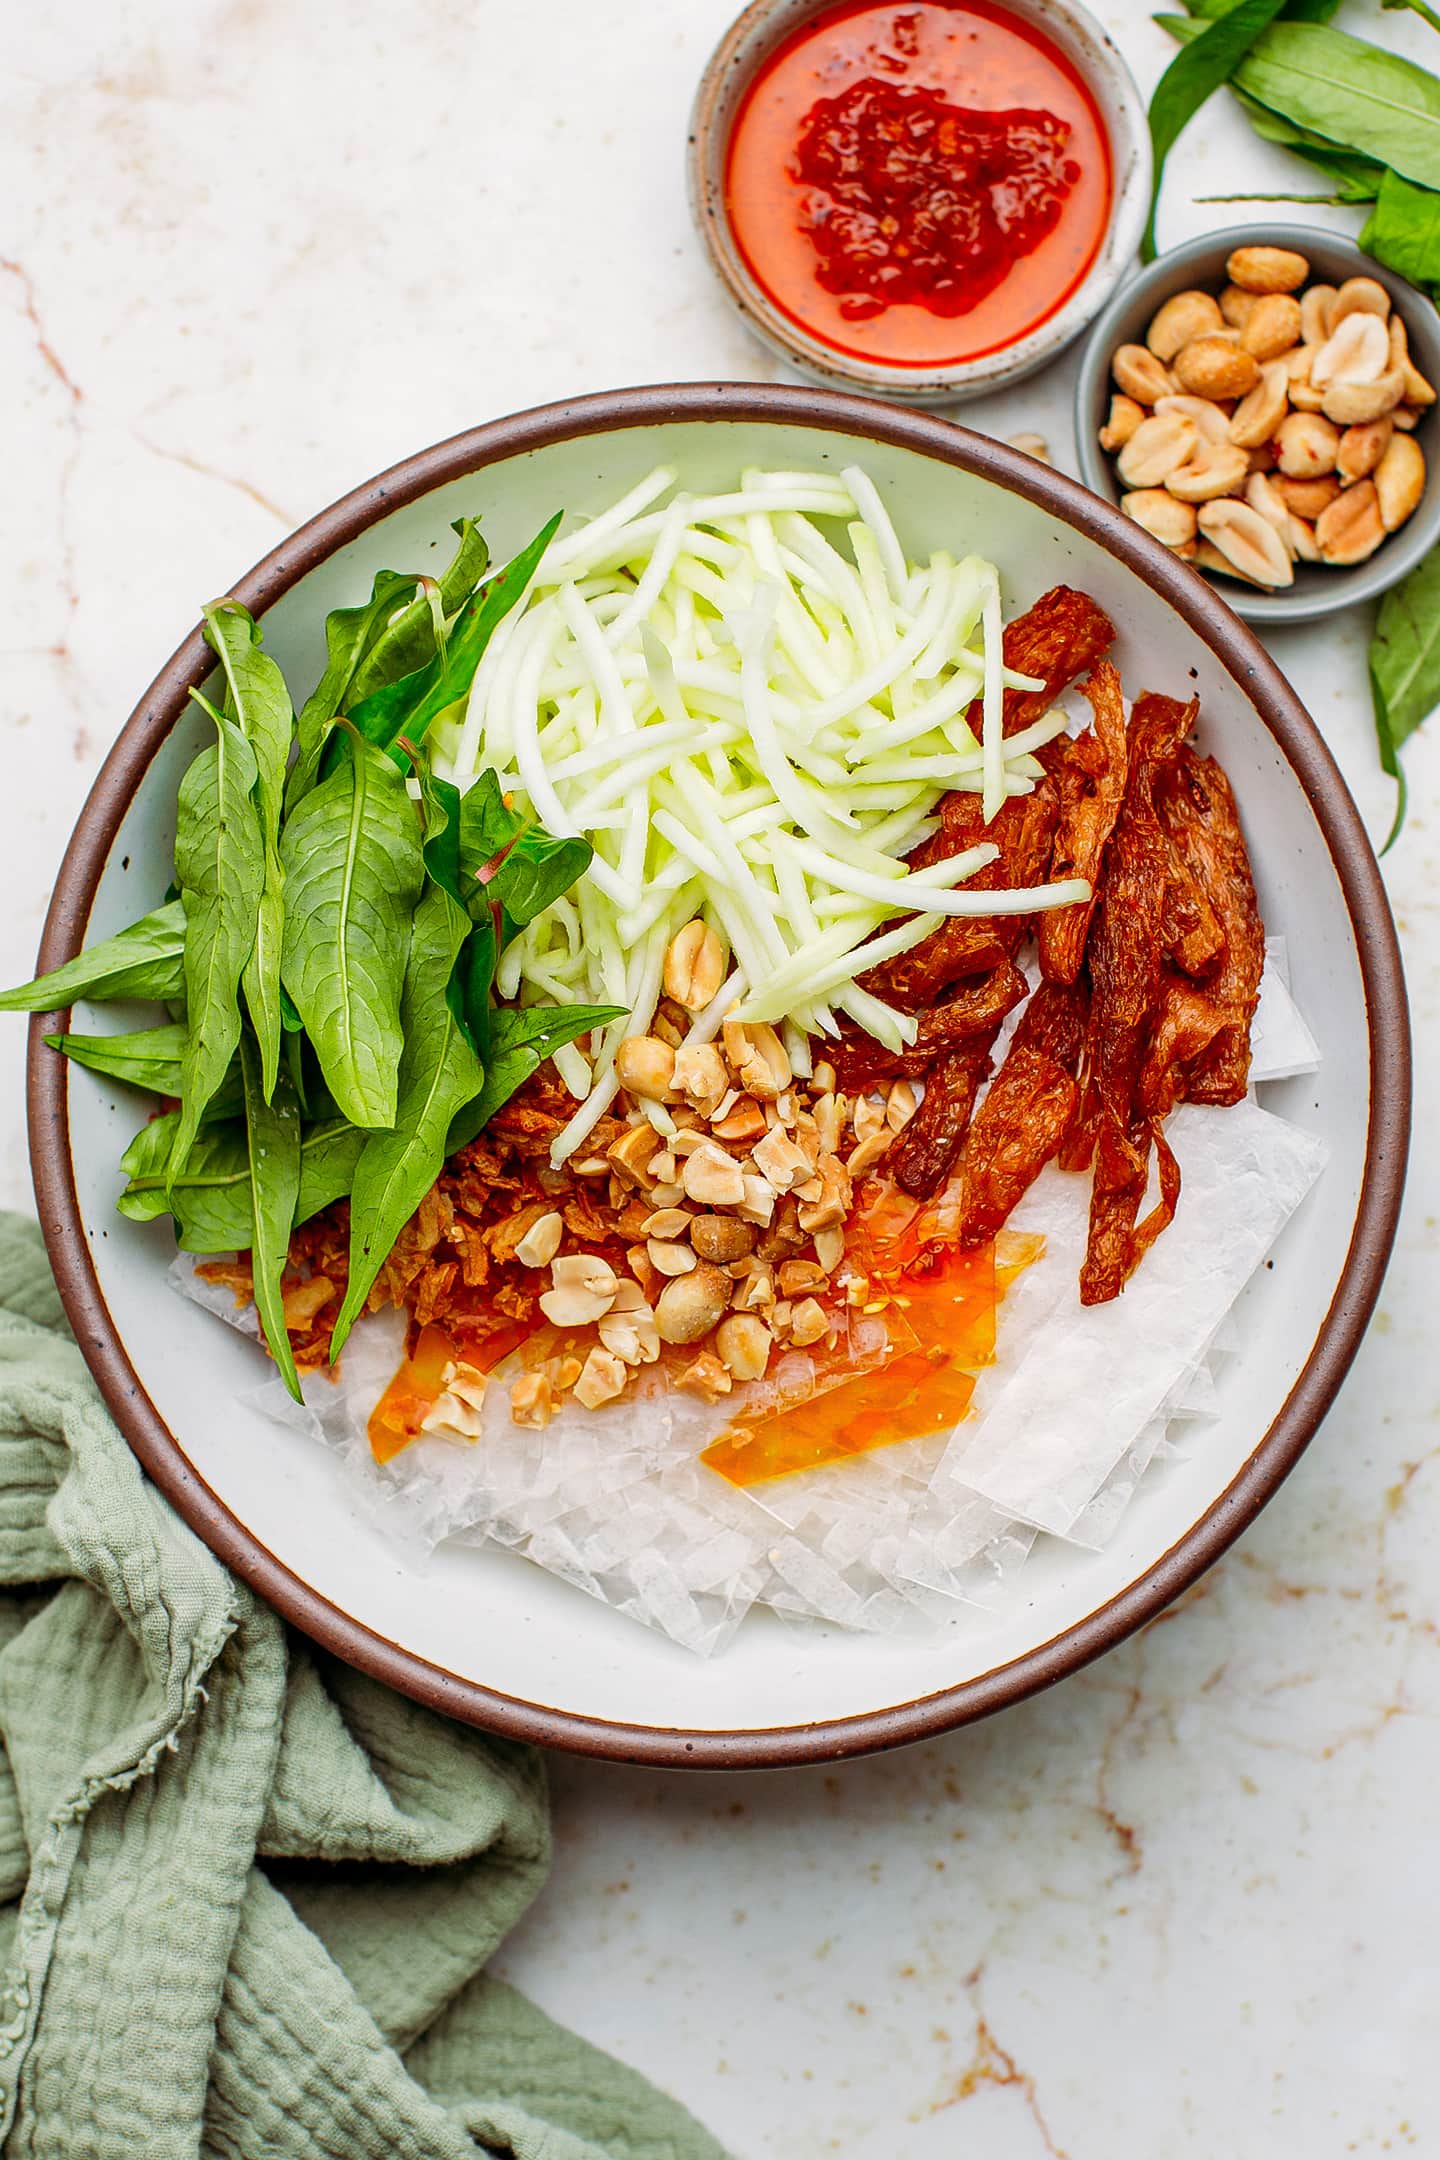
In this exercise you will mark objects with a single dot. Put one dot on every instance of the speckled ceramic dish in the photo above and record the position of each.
(1318, 590)
(749, 43)
(485, 1636)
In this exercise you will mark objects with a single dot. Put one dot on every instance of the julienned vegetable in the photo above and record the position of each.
(330, 957)
(749, 724)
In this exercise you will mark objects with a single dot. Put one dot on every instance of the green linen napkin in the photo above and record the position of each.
(249, 1894)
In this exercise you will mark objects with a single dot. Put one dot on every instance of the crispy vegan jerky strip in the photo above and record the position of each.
(1027, 1113)
(1090, 774)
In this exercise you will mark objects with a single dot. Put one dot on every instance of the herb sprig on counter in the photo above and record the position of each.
(329, 960)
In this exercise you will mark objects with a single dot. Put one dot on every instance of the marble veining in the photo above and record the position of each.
(251, 252)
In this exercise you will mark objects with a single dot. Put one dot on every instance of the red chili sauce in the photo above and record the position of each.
(918, 184)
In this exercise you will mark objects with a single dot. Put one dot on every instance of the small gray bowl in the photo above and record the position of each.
(738, 58)
(1318, 591)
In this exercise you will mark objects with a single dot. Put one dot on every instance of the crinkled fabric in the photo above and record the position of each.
(246, 1895)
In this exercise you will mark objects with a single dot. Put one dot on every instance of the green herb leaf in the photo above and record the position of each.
(220, 868)
(1358, 177)
(348, 634)
(521, 1040)
(353, 869)
(1404, 231)
(1353, 93)
(408, 640)
(439, 1071)
(409, 706)
(1192, 78)
(260, 703)
(210, 1196)
(149, 1058)
(272, 1123)
(328, 1155)
(1405, 667)
(145, 961)
(209, 1193)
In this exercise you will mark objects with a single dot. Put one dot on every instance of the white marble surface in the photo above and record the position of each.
(253, 250)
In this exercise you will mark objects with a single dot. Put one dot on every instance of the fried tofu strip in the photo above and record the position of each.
(1124, 957)
(1197, 805)
(922, 1158)
(1191, 931)
(1057, 639)
(1186, 1021)
(1090, 774)
(979, 1005)
(1027, 1113)
(1023, 829)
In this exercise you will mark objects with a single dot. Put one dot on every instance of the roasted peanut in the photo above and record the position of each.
(758, 1205)
(1211, 421)
(668, 1223)
(1303, 543)
(1352, 404)
(778, 1159)
(1399, 480)
(1406, 418)
(1162, 514)
(757, 1057)
(669, 1257)
(1307, 498)
(1263, 495)
(694, 966)
(629, 1329)
(1359, 296)
(1247, 541)
(1350, 530)
(1158, 445)
(582, 1287)
(1258, 415)
(712, 1177)
(602, 1378)
(1184, 316)
(541, 1241)
(531, 1401)
(1274, 326)
(1315, 306)
(1212, 368)
(1267, 269)
(1237, 305)
(1307, 444)
(1361, 448)
(631, 1156)
(690, 1305)
(808, 1322)
(646, 1066)
(1140, 375)
(1033, 446)
(1357, 351)
(1261, 458)
(868, 1153)
(722, 1238)
(899, 1107)
(1414, 388)
(745, 1122)
(1210, 558)
(1301, 391)
(1215, 469)
(699, 1073)
(744, 1345)
(1126, 414)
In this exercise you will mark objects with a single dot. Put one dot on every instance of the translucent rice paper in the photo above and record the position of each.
(1077, 1404)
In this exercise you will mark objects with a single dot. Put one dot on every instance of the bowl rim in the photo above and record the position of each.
(743, 49)
(1352, 586)
(1277, 1450)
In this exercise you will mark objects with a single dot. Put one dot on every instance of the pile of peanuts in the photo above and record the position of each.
(1272, 424)
(729, 1188)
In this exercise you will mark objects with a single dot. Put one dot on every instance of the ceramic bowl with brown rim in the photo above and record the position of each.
(1083, 47)
(483, 1634)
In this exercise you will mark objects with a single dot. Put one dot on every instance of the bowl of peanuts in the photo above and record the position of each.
(1262, 401)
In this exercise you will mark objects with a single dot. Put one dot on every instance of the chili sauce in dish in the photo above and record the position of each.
(918, 185)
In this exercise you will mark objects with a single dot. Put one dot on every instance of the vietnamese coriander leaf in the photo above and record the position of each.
(521, 1038)
(1193, 76)
(220, 868)
(407, 641)
(208, 1195)
(353, 869)
(439, 1072)
(348, 633)
(1353, 93)
(328, 1154)
(1357, 177)
(408, 707)
(272, 1123)
(1403, 231)
(1405, 667)
(260, 703)
(149, 1058)
(145, 961)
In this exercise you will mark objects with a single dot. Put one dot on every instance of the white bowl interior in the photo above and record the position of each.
(500, 1622)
